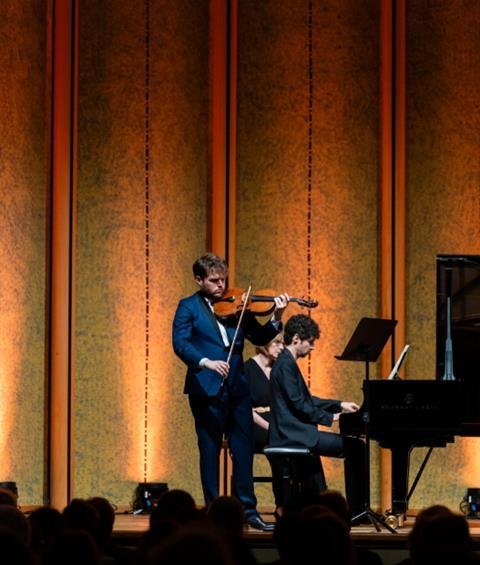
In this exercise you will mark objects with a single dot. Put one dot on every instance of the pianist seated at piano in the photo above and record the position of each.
(295, 413)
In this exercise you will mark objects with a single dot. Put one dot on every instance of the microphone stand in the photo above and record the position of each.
(375, 518)
(448, 373)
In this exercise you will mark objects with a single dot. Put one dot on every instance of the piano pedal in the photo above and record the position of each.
(395, 521)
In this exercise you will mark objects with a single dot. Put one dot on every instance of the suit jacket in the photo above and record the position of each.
(196, 335)
(295, 413)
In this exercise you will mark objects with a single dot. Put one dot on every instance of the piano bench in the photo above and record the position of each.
(298, 466)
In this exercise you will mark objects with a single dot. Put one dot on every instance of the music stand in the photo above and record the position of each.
(366, 344)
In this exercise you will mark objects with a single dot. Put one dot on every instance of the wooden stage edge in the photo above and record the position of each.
(129, 528)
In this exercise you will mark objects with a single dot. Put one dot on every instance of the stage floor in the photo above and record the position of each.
(129, 528)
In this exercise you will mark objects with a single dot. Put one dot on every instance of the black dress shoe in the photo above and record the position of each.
(258, 524)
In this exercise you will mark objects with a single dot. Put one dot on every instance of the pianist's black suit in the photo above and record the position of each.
(295, 414)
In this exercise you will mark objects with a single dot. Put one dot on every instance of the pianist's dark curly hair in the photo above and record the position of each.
(303, 326)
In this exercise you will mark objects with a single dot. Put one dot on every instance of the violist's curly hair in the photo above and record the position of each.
(207, 263)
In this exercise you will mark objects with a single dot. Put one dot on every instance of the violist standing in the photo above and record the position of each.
(219, 392)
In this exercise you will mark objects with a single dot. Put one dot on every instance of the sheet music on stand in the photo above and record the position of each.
(401, 358)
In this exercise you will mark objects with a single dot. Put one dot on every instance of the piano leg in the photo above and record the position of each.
(400, 468)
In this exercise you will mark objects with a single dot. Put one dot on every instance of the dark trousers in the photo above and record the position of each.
(230, 416)
(353, 451)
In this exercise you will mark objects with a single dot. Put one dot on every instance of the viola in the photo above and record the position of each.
(260, 303)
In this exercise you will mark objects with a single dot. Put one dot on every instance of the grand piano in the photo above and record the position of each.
(404, 414)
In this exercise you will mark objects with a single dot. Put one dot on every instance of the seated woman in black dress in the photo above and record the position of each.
(258, 370)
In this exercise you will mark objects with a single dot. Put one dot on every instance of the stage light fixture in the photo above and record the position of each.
(470, 504)
(146, 496)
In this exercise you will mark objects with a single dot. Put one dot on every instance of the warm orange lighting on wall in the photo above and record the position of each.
(162, 419)
(133, 385)
(142, 388)
(470, 471)
(7, 369)
(12, 322)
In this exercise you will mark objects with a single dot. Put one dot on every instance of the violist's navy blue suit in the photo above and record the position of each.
(219, 407)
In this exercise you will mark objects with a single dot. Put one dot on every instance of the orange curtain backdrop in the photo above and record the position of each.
(24, 105)
(307, 172)
(142, 213)
(306, 212)
(443, 164)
